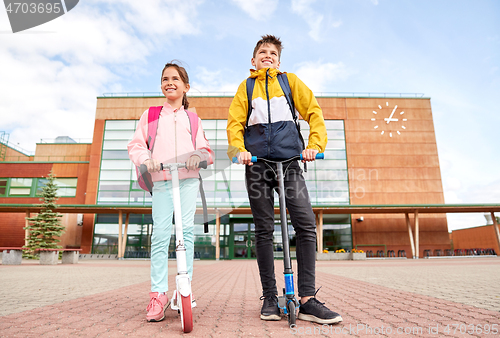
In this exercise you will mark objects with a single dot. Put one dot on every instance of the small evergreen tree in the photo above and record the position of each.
(46, 225)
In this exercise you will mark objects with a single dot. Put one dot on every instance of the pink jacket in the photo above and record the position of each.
(173, 143)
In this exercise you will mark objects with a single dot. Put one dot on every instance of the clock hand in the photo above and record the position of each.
(390, 117)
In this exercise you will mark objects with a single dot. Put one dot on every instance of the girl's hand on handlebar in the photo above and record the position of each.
(309, 155)
(193, 162)
(245, 157)
(153, 165)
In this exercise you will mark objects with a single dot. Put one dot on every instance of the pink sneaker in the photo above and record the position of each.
(157, 306)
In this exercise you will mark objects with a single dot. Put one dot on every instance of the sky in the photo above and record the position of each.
(51, 75)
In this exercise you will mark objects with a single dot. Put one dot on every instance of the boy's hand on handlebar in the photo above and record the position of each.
(245, 157)
(309, 155)
(193, 162)
(153, 165)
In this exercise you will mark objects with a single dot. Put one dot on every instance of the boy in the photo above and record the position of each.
(270, 132)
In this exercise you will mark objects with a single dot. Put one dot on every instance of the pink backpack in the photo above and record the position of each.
(144, 177)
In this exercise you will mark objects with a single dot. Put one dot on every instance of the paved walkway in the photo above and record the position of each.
(377, 298)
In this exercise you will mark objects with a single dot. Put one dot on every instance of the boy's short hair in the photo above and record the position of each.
(268, 39)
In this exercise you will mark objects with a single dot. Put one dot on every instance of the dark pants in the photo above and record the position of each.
(261, 179)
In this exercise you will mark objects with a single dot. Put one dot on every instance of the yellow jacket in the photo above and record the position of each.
(271, 132)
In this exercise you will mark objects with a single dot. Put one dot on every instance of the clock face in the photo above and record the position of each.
(388, 119)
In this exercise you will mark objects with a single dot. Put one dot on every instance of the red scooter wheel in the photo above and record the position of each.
(186, 314)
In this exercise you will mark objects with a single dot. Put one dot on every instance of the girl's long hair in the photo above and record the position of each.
(184, 77)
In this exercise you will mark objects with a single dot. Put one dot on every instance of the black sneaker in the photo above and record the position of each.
(315, 311)
(270, 309)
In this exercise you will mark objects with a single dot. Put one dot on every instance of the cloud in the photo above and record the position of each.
(52, 75)
(258, 9)
(320, 76)
(46, 98)
(452, 186)
(375, 2)
(212, 82)
(465, 220)
(336, 24)
(452, 183)
(488, 193)
(457, 190)
(304, 8)
(460, 190)
(158, 17)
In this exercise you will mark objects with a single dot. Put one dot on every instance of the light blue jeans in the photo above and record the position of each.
(163, 208)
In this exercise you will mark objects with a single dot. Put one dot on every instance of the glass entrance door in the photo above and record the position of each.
(243, 240)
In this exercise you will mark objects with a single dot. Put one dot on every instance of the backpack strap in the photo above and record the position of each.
(143, 176)
(204, 204)
(250, 85)
(285, 87)
(193, 122)
(153, 117)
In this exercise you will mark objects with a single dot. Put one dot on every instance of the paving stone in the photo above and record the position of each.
(371, 295)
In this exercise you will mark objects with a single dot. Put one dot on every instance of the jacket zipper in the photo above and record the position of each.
(268, 116)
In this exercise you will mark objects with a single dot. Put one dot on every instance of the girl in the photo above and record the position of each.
(173, 145)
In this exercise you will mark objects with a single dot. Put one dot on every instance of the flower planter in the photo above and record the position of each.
(12, 256)
(357, 256)
(49, 257)
(339, 256)
(323, 256)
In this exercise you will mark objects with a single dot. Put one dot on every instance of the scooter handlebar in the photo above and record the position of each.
(201, 165)
(319, 156)
(143, 169)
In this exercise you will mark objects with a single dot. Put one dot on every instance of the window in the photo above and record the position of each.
(3, 186)
(117, 175)
(32, 187)
(327, 180)
(20, 186)
(66, 187)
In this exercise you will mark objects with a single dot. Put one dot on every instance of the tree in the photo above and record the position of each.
(46, 225)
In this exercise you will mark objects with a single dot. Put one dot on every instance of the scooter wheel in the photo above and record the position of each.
(290, 308)
(186, 314)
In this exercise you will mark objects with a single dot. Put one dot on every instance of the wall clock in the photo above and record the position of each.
(389, 120)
